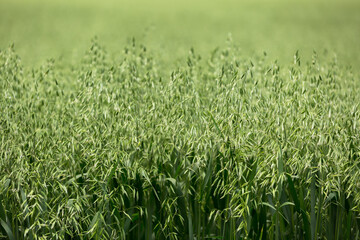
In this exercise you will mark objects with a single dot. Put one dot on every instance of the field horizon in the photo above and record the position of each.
(62, 29)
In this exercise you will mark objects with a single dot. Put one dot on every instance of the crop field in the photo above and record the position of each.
(179, 120)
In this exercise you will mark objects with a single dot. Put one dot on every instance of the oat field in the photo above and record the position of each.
(179, 120)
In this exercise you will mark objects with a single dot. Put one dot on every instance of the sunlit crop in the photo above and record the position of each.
(222, 147)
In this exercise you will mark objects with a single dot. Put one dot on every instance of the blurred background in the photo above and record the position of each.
(59, 29)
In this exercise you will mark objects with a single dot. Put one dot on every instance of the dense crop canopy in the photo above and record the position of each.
(223, 147)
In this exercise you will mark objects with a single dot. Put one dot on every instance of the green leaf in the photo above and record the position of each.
(269, 205)
(7, 230)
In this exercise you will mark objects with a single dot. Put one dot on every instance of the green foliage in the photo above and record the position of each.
(223, 147)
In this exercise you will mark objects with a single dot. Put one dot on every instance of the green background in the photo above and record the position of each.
(62, 29)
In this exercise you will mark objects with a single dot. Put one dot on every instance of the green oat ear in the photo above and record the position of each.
(297, 58)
